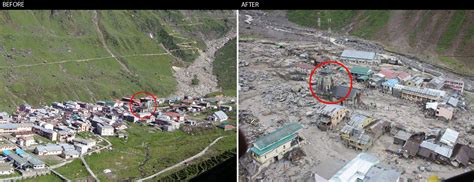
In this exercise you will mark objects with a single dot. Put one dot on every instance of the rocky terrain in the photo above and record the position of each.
(202, 68)
(272, 94)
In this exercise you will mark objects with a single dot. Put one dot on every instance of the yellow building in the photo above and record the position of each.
(335, 113)
(273, 146)
(353, 133)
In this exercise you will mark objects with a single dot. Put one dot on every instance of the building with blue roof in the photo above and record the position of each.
(33, 162)
(6, 152)
(273, 146)
(18, 161)
(19, 151)
(388, 85)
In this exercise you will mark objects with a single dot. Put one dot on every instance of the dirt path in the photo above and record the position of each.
(93, 59)
(202, 68)
(95, 19)
(182, 163)
(60, 175)
(88, 168)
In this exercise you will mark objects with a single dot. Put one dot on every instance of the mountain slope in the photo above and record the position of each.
(442, 37)
(50, 56)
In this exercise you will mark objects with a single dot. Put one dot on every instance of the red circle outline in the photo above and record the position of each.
(322, 64)
(131, 102)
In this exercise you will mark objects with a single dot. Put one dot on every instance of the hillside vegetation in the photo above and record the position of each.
(442, 37)
(225, 68)
(50, 56)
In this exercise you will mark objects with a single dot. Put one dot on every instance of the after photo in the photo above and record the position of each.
(355, 95)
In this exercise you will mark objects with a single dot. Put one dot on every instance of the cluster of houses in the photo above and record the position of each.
(361, 131)
(61, 122)
(76, 147)
(417, 88)
(435, 145)
(171, 117)
(358, 132)
(24, 162)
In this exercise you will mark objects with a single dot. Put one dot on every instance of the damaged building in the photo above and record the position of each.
(273, 146)
(354, 133)
(419, 94)
(366, 167)
(333, 114)
(442, 149)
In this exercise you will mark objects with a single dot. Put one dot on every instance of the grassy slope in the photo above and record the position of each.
(339, 18)
(36, 37)
(165, 149)
(74, 170)
(368, 24)
(224, 67)
(371, 22)
(452, 30)
(223, 145)
(45, 178)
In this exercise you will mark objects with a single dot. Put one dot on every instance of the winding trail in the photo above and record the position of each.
(83, 160)
(60, 175)
(182, 163)
(88, 168)
(91, 152)
(94, 59)
(95, 19)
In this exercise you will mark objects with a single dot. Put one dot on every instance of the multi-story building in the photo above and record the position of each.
(334, 113)
(360, 57)
(273, 146)
(421, 94)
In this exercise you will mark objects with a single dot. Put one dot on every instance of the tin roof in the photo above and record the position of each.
(357, 120)
(221, 115)
(356, 169)
(437, 82)
(341, 91)
(49, 148)
(282, 133)
(453, 101)
(273, 145)
(449, 137)
(428, 145)
(358, 54)
(382, 173)
(17, 159)
(390, 83)
(444, 151)
(425, 91)
(403, 135)
(360, 70)
(328, 109)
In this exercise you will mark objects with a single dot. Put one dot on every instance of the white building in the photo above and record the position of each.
(81, 148)
(6, 169)
(360, 57)
(48, 149)
(365, 167)
(105, 129)
(218, 116)
(87, 142)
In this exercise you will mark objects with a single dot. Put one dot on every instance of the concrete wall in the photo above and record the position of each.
(269, 156)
